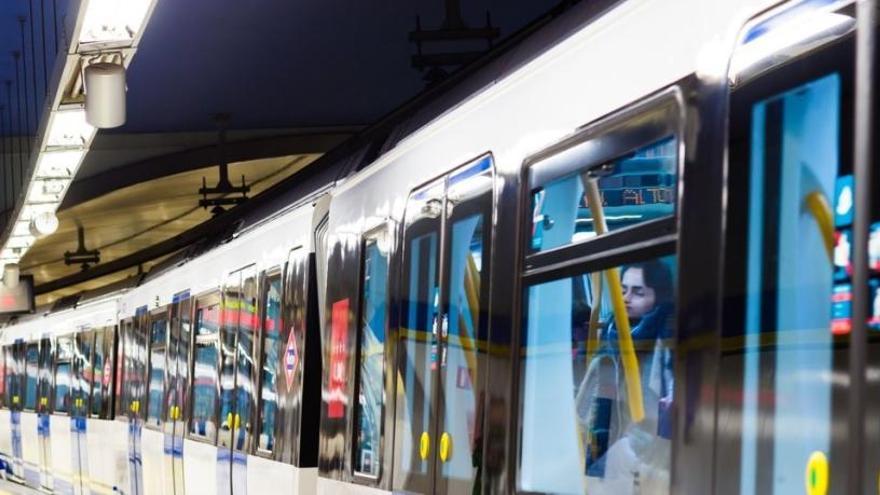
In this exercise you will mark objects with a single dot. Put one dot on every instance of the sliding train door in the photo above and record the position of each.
(444, 319)
(176, 382)
(787, 395)
(237, 389)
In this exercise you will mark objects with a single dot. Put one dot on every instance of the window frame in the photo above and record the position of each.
(264, 277)
(205, 299)
(387, 229)
(641, 123)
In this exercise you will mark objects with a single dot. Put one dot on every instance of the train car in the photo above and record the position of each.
(58, 376)
(632, 263)
(634, 255)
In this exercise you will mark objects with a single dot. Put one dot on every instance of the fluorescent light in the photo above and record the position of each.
(788, 39)
(58, 164)
(22, 242)
(28, 212)
(47, 190)
(9, 255)
(113, 20)
(69, 129)
(22, 227)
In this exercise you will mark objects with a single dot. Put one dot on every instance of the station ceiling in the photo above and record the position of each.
(295, 79)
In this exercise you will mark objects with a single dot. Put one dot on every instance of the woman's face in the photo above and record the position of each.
(639, 298)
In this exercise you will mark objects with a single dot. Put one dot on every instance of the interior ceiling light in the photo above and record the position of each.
(58, 164)
(47, 191)
(22, 242)
(108, 21)
(44, 224)
(21, 228)
(29, 212)
(9, 255)
(69, 129)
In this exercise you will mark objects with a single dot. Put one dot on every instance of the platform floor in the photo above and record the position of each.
(10, 488)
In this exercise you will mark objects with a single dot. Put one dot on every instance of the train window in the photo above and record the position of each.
(63, 374)
(101, 373)
(271, 350)
(633, 188)
(577, 424)
(203, 422)
(158, 334)
(371, 354)
(788, 270)
(32, 359)
(245, 391)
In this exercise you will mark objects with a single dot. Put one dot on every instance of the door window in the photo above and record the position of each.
(272, 351)
(206, 357)
(156, 387)
(444, 320)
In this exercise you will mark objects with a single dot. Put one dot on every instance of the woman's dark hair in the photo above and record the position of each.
(658, 277)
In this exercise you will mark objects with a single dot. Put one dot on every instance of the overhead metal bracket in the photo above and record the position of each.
(85, 257)
(224, 193)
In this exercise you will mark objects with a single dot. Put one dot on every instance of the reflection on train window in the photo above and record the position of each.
(269, 372)
(577, 429)
(63, 377)
(32, 357)
(157, 371)
(463, 330)
(794, 285)
(245, 390)
(635, 188)
(371, 359)
(418, 339)
(99, 377)
(204, 387)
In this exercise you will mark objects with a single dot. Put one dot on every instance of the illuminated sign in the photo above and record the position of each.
(19, 299)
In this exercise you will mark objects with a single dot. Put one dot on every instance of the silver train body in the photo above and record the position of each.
(448, 319)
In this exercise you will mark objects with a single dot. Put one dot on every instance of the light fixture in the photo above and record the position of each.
(30, 211)
(45, 223)
(58, 164)
(47, 190)
(10, 275)
(21, 242)
(105, 94)
(109, 21)
(69, 129)
(21, 228)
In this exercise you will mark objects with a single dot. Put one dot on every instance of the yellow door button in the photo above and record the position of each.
(816, 476)
(424, 445)
(445, 447)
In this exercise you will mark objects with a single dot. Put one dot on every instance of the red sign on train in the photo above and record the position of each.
(338, 341)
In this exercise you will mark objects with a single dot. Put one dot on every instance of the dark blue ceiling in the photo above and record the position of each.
(268, 63)
(43, 20)
(281, 63)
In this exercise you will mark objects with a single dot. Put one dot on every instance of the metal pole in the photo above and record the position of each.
(22, 121)
(43, 32)
(24, 84)
(34, 62)
(55, 23)
(12, 142)
(865, 29)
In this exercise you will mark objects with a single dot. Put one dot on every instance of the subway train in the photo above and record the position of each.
(638, 252)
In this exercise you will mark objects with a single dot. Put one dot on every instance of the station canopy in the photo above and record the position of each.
(283, 83)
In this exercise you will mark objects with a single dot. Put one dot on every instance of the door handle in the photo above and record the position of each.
(445, 447)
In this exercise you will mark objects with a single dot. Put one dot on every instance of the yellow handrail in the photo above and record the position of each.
(624, 332)
(817, 205)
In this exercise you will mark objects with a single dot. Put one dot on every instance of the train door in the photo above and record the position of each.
(444, 318)
(45, 380)
(237, 390)
(16, 388)
(176, 379)
(158, 465)
(792, 325)
(81, 386)
(134, 372)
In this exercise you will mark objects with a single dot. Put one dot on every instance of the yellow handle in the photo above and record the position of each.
(624, 335)
(15, 399)
(424, 445)
(818, 206)
(44, 401)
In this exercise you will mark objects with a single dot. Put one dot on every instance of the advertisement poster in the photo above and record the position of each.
(338, 355)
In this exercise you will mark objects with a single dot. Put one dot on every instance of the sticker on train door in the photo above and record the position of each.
(291, 358)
